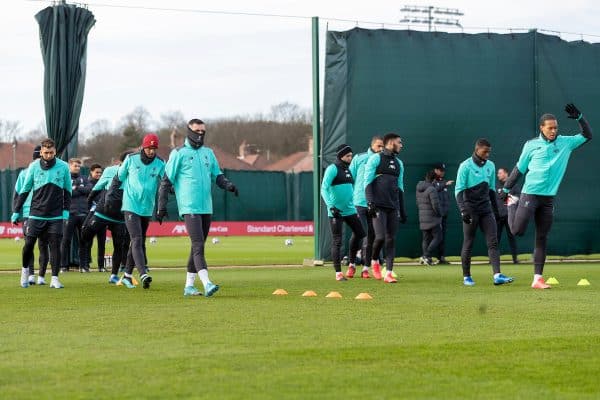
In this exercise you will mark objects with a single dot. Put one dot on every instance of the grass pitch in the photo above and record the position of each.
(174, 251)
(426, 337)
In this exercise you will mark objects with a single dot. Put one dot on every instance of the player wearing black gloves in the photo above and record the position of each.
(544, 160)
(476, 198)
(384, 179)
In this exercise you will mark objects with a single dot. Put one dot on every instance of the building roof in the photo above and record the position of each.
(297, 162)
(23, 155)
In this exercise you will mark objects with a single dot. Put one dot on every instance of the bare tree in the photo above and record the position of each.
(37, 134)
(133, 127)
(9, 130)
(289, 112)
(173, 119)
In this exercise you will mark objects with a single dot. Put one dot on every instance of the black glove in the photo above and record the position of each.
(502, 194)
(572, 111)
(231, 188)
(371, 210)
(466, 217)
(160, 215)
(335, 212)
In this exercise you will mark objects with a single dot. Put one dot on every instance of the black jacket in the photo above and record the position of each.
(81, 190)
(444, 196)
(515, 191)
(383, 191)
(429, 205)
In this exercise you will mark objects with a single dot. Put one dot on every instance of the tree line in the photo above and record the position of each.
(284, 130)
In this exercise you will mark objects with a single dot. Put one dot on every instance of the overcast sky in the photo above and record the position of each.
(211, 66)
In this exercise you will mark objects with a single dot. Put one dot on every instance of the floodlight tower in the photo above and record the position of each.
(415, 15)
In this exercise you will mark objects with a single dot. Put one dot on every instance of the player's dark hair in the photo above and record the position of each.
(195, 121)
(47, 143)
(94, 166)
(503, 169)
(430, 176)
(125, 154)
(388, 137)
(547, 117)
(376, 138)
(481, 142)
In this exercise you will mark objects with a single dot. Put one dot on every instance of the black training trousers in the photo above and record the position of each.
(358, 234)
(431, 240)
(442, 245)
(487, 224)
(72, 226)
(44, 254)
(367, 243)
(137, 226)
(198, 227)
(502, 223)
(541, 208)
(385, 226)
(120, 239)
(48, 231)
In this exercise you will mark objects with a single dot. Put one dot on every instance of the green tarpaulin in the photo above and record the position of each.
(63, 36)
(442, 91)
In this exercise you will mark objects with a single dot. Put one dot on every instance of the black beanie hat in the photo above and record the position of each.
(36, 152)
(342, 150)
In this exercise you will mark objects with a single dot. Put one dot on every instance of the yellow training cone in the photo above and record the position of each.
(583, 282)
(309, 293)
(364, 296)
(552, 281)
(280, 292)
(334, 295)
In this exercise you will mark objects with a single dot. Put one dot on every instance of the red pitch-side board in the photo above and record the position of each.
(248, 228)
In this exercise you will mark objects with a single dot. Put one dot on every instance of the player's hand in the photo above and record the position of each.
(466, 217)
(14, 219)
(335, 212)
(449, 183)
(231, 188)
(160, 215)
(503, 194)
(371, 210)
(572, 111)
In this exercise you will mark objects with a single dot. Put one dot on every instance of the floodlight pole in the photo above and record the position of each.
(316, 128)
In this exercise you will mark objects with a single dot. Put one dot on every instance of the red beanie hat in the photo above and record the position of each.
(150, 140)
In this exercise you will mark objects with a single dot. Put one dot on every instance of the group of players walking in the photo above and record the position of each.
(52, 200)
(367, 193)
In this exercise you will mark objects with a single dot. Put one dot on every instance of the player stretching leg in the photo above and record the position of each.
(544, 160)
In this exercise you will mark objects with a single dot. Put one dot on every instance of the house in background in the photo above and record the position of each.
(15, 155)
(301, 161)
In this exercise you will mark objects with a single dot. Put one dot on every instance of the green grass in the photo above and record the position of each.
(174, 251)
(426, 337)
(232, 250)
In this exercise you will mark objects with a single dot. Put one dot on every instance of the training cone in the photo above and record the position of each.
(583, 282)
(309, 293)
(280, 292)
(364, 296)
(552, 281)
(334, 295)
